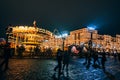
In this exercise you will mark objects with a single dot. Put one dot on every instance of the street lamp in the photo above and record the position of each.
(90, 29)
(63, 36)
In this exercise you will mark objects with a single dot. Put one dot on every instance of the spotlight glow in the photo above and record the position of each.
(91, 27)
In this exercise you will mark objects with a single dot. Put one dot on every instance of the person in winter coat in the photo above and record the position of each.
(103, 60)
(59, 60)
(7, 55)
(66, 59)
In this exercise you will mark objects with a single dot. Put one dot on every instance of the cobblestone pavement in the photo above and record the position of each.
(42, 69)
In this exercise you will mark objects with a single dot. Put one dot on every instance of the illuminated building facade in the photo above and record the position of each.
(82, 36)
(31, 36)
(28, 36)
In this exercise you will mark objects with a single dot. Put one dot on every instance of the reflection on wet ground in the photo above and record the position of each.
(42, 69)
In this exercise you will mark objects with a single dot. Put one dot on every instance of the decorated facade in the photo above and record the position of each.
(32, 36)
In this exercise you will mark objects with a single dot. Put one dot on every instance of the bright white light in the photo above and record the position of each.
(21, 27)
(64, 35)
(91, 28)
(58, 36)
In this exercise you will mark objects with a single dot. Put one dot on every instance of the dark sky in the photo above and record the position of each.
(65, 15)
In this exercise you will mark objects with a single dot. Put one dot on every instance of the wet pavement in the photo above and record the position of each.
(43, 69)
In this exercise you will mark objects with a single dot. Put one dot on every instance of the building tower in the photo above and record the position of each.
(34, 24)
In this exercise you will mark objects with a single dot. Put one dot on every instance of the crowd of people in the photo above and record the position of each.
(63, 59)
(91, 56)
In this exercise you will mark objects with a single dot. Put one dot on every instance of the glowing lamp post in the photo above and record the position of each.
(90, 29)
(63, 36)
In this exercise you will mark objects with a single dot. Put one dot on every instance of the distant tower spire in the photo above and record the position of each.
(34, 23)
(56, 32)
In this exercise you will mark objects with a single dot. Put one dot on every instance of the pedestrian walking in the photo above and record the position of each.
(95, 58)
(103, 60)
(115, 55)
(66, 58)
(89, 58)
(85, 52)
(7, 55)
(59, 60)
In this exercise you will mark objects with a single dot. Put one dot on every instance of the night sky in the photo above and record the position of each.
(64, 15)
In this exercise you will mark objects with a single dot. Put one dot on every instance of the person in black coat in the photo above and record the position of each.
(95, 58)
(59, 60)
(103, 60)
(7, 55)
(66, 60)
